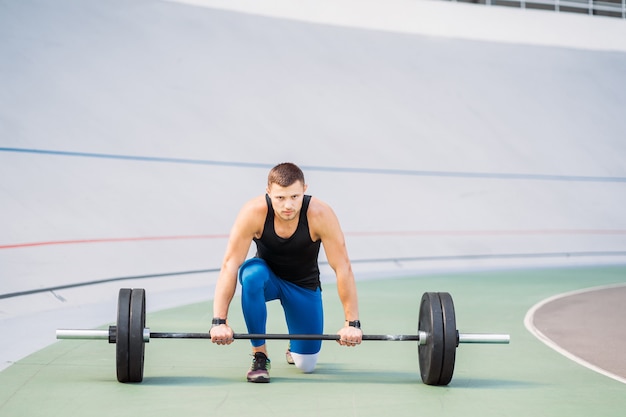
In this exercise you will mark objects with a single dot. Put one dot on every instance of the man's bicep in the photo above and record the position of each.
(332, 238)
(335, 249)
(239, 244)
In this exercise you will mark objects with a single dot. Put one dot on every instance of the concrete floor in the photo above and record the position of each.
(194, 376)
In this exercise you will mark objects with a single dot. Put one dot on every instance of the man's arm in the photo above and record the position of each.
(244, 229)
(325, 225)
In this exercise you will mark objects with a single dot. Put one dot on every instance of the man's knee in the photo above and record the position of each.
(306, 363)
(253, 274)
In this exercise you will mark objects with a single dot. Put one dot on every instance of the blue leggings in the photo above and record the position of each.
(302, 306)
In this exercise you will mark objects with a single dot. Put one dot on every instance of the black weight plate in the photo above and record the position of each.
(449, 338)
(136, 345)
(430, 354)
(121, 339)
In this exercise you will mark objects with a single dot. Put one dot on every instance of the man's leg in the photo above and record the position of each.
(304, 315)
(256, 288)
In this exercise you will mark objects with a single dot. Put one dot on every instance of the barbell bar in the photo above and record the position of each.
(437, 337)
(99, 334)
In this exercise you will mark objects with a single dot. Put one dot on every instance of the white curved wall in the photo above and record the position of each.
(131, 133)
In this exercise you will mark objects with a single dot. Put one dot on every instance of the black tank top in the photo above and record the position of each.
(293, 259)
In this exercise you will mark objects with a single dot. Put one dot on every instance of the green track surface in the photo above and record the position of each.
(195, 377)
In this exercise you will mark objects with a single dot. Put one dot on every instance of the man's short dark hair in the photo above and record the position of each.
(285, 174)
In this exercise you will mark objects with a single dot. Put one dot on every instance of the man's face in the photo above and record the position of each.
(287, 201)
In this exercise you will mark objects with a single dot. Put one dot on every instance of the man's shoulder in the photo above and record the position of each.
(323, 222)
(251, 217)
(319, 209)
(255, 206)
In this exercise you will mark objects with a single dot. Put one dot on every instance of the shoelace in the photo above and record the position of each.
(260, 362)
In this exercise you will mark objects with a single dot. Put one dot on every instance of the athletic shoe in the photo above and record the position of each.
(259, 371)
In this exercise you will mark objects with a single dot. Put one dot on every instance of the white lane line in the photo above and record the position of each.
(530, 326)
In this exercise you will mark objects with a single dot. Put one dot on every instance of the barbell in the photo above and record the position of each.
(437, 337)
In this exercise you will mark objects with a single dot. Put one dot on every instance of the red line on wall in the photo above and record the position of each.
(109, 240)
(538, 232)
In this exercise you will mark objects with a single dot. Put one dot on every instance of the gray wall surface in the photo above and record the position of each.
(132, 131)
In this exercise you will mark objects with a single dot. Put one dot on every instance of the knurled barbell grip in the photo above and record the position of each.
(270, 336)
(104, 334)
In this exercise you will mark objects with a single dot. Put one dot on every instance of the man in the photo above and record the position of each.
(288, 228)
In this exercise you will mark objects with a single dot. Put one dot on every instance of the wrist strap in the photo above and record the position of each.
(355, 323)
(217, 321)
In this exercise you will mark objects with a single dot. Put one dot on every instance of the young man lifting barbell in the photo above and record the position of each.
(288, 228)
